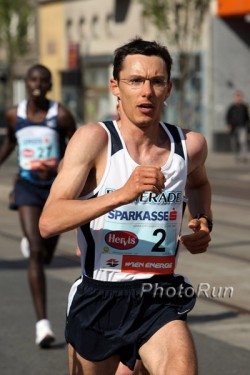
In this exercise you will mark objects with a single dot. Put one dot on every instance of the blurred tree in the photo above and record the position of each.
(14, 21)
(180, 21)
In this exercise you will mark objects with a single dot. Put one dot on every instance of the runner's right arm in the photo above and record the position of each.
(82, 170)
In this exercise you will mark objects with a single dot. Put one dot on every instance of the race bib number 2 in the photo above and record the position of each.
(147, 247)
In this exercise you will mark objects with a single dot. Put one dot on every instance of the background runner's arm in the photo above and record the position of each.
(9, 142)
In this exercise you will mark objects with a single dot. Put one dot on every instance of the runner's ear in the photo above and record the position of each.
(168, 89)
(115, 88)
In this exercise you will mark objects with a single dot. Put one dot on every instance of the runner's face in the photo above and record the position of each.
(38, 83)
(143, 104)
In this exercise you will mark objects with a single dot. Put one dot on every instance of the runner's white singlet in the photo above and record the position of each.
(139, 239)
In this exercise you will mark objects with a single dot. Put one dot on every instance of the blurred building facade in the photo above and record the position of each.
(81, 56)
(20, 66)
(230, 63)
(76, 40)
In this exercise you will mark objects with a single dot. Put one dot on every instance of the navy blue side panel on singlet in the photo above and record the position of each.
(175, 134)
(90, 252)
(179, 151)
(115, 139)
(178, 146)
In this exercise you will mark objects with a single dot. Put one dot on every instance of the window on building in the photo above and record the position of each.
(69, 24)
(110, 22)
(81, 27)
(95, 26)
(97, 93)
(121, 10)
(96, 77)
(144, 22)
(51, 47)
(32, 29)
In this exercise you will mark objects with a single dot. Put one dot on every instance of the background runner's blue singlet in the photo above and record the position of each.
(38, 144)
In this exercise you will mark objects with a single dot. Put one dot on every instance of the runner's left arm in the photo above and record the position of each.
(198, 192)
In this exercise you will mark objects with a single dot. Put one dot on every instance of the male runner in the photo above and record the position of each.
(123, 185)
(41, 128)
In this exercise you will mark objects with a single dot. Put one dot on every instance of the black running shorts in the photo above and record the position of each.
(107, 318)
(29, 194)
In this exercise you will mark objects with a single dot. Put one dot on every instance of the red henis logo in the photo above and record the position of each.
(122, 240)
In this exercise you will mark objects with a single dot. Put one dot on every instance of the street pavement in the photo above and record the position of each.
(220, 324)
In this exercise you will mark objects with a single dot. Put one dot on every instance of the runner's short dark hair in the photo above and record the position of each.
(141, 47)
